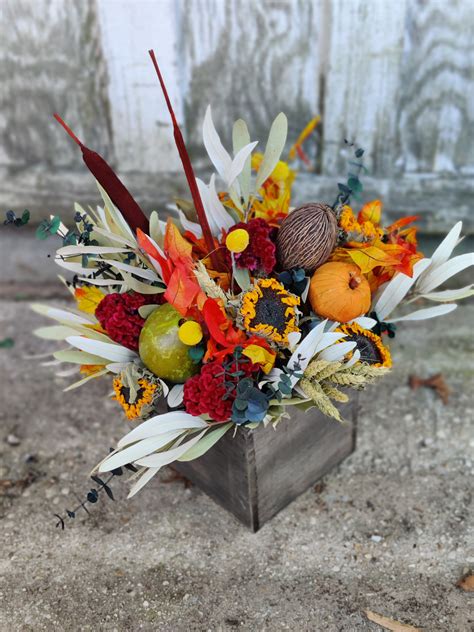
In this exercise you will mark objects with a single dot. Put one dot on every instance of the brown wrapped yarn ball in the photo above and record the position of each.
(306, 237)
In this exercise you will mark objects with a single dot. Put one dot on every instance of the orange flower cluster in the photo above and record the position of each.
(379, 252)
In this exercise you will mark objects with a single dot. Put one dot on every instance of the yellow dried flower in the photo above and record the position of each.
(145, 396)
(350, 224)
(237, 240)
(190, 333)
(281, 171)
(260, 355)
(90, 369)
(348, 221)
(88, 298)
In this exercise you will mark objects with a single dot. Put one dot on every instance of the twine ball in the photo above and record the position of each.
(306, 237)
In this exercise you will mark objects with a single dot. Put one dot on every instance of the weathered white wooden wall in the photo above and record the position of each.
(395, 75)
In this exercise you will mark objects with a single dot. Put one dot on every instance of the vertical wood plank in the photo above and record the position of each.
(250, 60)
(362, 81)
(298, 453)
(50, 60)
(436, 110)
(141, 125)
(227, 474)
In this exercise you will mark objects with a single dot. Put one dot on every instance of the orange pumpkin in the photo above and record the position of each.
(339, 291)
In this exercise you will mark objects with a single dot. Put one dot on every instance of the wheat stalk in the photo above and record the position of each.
(368, 371)
(319, 370)
(319, 397)
(208, 286)
(334, 393)
(347, 379)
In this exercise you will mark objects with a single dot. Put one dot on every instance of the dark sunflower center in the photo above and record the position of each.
(126, 394)
(270, 310)
(367, 348)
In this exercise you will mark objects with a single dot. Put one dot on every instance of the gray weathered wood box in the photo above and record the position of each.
(258, 472)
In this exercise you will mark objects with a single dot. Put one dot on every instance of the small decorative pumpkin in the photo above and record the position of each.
(306, 237)
(339, 291)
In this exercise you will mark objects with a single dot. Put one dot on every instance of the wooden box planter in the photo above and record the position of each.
(256, 473)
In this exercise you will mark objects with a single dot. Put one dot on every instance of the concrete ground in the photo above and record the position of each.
(389, 531)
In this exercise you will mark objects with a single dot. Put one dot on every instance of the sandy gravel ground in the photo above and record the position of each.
(390, 530)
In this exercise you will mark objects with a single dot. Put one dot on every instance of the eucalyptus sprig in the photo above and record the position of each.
(48, 227)
(93, 495)
(12, 219)
(52, 226)
(353, 186)
(284, 387)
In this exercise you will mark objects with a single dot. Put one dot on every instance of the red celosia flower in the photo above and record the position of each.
(207, 392)
(118, 315)
(260, 253)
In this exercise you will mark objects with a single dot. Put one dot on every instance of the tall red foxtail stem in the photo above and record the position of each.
(110, 182)
(188, 170)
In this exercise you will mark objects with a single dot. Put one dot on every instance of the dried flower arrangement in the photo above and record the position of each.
(242, 307)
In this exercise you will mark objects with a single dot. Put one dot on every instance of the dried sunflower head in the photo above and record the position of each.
(270, 311)
(136, 390)
(371, 348)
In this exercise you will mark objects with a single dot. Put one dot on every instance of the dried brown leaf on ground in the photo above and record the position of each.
(10, 486)
(390, 624)
(436, 382)
(466, 582)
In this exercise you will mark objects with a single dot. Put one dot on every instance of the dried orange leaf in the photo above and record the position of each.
(466, 582)
(400, 223)
(181, 291)
(370, 212)
(176, 246)
(369, 258)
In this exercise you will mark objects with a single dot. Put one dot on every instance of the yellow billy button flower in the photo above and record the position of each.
(190, 333)
(237, 240)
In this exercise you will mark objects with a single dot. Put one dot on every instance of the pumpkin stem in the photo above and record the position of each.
(354, 282)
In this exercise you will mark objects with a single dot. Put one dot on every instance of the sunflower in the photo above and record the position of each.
(135, 394)
(371, 348)
(269, 310)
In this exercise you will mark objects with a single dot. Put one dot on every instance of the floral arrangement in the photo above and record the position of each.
(240, 307)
